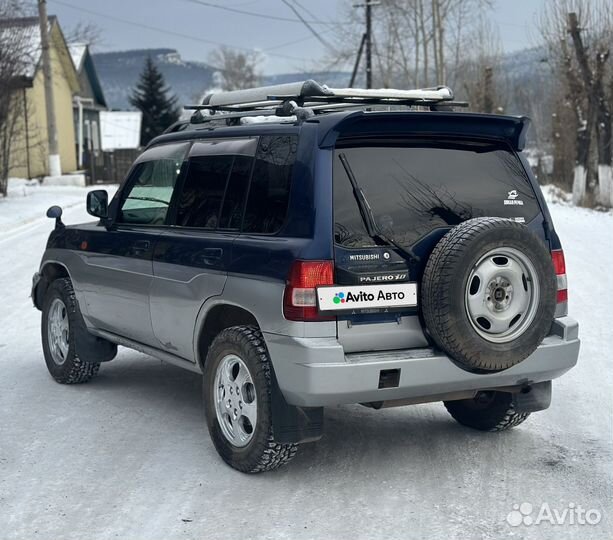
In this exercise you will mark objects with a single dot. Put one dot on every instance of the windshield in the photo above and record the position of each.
(415, 189)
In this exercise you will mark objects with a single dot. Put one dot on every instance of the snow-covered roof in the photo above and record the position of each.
(120, 129)
(84, 64)
(23, 35)
(77, 53)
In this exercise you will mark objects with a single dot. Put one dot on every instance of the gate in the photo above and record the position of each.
(109, 167)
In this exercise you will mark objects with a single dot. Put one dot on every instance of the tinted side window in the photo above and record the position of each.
(203, 192)
(236, 191)
(150, 186)
(270, 184)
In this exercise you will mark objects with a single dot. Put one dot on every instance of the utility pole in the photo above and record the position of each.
(368, 44)
(55, 166)
(368, 38)
(356, 65)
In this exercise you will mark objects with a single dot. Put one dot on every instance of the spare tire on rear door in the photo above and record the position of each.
(488, 293)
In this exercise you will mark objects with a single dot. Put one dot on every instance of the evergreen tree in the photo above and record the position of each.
(151, 97)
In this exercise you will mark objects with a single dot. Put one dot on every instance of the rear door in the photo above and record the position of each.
(119, 261)
(191, 259)
(418, 190)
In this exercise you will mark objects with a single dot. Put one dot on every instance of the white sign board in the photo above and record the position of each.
(120, 129)
(344, 298)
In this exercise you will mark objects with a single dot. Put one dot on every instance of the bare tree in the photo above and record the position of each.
(84, 32)
(15, 54)
(236, 70)
(480, 74)
(563, 141)
(592, 74)
(412, 39)
(578, 35)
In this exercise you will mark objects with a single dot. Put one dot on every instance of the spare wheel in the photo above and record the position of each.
(488, 293)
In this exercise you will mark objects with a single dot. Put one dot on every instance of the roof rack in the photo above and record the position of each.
(302, 100)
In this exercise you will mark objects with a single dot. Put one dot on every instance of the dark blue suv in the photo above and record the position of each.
(301, 247)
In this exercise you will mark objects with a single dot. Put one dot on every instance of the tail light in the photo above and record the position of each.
(300, 298)
(559, 265)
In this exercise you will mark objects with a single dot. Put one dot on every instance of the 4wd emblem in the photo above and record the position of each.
(383, 277)
(512, 199)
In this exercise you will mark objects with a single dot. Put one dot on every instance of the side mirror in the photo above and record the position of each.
(98, 203)
(55, 212)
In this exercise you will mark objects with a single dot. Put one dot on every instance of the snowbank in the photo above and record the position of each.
(555, 195)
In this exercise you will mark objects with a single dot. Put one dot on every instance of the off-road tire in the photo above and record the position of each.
(74, 370)
(262, 453)
(444, 285)
(496, 414)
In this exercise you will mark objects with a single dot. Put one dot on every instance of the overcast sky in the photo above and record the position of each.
(194, 29)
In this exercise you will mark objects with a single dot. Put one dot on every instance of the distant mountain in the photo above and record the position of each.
(119, 72)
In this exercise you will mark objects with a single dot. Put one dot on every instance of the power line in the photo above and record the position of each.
(308, 25)
(311, 14)
(168, 32)
(300, 40)
(253, 13)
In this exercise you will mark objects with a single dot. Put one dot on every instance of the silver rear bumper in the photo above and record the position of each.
(314, 372)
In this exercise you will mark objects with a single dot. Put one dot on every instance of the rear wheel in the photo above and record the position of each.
(59, 320)
(487, 411)
(237, 397)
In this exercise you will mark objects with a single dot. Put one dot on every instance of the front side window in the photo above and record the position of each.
(151, 185)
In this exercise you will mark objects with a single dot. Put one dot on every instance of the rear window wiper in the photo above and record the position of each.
(368, 217)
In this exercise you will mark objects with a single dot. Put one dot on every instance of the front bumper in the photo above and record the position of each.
(315, 372)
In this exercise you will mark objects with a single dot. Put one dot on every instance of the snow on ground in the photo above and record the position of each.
(28, 201)
(128, 456)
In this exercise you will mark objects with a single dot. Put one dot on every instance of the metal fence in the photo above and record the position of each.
(109, 167)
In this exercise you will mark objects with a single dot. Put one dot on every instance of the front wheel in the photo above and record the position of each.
(59, 320)
(487, 411)
(237, 397)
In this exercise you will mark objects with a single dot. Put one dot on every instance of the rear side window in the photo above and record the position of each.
(203, 191)
(415, 189)
(236, 192)
(216, 184)
(270, 184)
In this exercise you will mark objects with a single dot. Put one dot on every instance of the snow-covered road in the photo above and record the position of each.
(127, 456)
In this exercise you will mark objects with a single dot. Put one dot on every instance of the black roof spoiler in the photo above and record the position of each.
(512, 129)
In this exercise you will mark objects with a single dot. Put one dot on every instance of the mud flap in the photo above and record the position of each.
(90, 348)
(535, 397)
(293, 424)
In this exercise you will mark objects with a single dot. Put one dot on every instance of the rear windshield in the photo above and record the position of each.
(413, 189)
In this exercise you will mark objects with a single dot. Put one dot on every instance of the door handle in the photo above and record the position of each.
(141, 245)
(211, 255)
